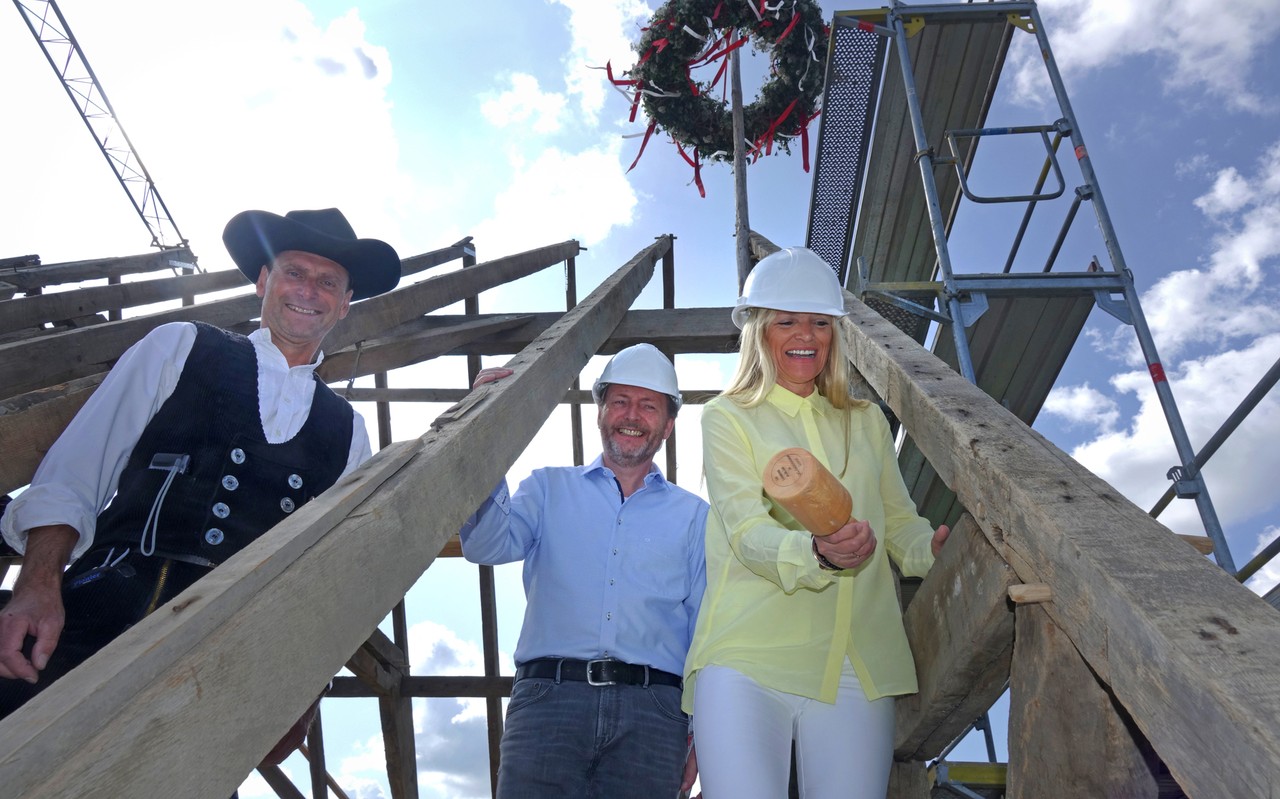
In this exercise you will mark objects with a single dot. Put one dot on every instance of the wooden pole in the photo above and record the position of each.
(742, 228)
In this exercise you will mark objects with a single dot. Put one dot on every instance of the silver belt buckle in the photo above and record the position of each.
(591, 680)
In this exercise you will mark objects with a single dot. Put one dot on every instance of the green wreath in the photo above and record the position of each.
(792, 31)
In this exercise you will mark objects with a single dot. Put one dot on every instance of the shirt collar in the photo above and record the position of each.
(653, 478)
(265, 347)
(790, 403)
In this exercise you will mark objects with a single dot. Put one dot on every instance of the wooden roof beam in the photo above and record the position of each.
(195, 677)
(1191, 654)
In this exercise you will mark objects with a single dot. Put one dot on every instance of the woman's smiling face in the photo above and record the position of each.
(799, 344)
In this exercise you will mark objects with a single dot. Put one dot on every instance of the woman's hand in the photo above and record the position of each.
(850, 546)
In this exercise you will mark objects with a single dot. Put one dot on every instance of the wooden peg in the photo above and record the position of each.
(1030, 593)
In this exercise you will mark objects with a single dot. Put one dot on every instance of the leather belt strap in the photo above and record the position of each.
(596, 672)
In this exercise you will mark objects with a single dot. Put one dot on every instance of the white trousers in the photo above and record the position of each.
(743, 734)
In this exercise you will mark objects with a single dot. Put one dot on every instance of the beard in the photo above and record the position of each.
(628, 451)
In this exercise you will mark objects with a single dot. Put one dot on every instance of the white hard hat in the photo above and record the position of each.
(792, 279)
(639, 365)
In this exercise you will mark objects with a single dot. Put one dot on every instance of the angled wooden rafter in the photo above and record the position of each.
(195, 677)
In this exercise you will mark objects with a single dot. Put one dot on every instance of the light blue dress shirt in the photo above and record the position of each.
(603, 577)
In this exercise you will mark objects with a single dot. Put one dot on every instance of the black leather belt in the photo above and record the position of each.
(596, 672)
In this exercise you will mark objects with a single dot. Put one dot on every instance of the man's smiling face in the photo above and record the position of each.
(303, 296)
(633, 424)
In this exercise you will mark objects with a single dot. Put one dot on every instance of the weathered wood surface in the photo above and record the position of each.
(908, 780)
(427, 687)
(960, 626)
(1067, 738)
(28, 365)
(36, 363)
(683, 330)
(24, 312)
(1151, 617)
(34, 429)
(32, 278)
(30, 423)
(382, 355)
(232, 662)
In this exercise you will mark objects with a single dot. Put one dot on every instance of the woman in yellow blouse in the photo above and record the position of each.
(799, 638)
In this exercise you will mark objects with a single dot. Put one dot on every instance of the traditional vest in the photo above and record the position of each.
(236, 485)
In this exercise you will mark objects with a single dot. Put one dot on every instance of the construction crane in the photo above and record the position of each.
(60, 47)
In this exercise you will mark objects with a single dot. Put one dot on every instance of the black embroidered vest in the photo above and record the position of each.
(236, 485)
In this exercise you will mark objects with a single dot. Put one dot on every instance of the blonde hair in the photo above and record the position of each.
(757, 374)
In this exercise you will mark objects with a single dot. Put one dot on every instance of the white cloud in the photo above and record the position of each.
(560, 195)
(1228, 300)
(1083, 405)
(1240, 476)
(1229, 193)
(1202, 46)
(255, 105)
(522, 103)
(601, 31)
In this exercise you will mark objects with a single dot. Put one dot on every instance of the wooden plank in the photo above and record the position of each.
(396, 714)
(1066, 736)
(960, 627)
(1151, 617)
(375, 315)
(313, 751)
(678, 331)
(908, 780)
(30, 423)
(232, 662)
(28, 365)
(22, 312)
(29, 427)
(280, 783)
(33, 278)
(381, 355)
(37, 363)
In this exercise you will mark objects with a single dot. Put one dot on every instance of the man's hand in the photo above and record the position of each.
(36, 607)
(690, 772)
(940, 538)
(850, 546)
(491, 374)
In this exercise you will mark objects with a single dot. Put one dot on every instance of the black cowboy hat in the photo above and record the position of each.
(254, 238)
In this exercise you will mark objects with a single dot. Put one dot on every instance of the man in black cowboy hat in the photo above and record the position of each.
(200, 439)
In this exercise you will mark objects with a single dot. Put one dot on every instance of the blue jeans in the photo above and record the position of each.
(571, 739)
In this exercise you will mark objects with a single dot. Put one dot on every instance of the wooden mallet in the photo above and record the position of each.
(800, 483)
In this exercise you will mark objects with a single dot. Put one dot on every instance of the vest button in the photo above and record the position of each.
(287, 505)
(295, 481)
(237, 456)
(214, 536)
(221, 510)
(230, 482)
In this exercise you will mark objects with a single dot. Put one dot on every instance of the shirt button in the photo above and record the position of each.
(287, 505)
(230, 482)
(295, 481)
(221, 510)
(214, 536)
(237, 456)
(611, 582)
(608, 617)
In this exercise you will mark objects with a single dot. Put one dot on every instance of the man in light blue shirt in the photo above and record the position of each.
(614, 574)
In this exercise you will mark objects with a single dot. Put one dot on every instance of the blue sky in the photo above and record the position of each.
(426, 123)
